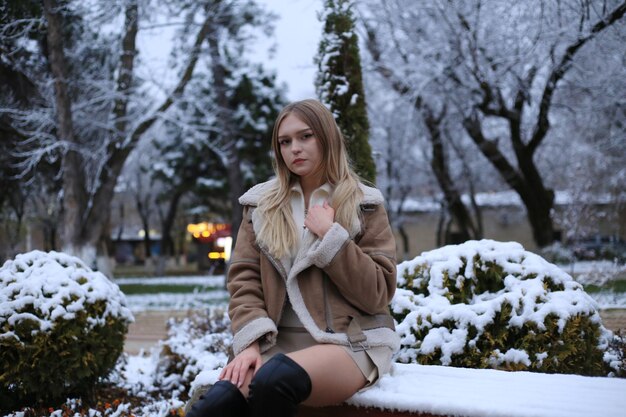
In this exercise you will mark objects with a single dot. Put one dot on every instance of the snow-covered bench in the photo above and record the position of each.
(448, 391)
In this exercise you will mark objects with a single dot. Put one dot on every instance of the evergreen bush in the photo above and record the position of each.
(62, 328)
(488, 304)
(339, 83)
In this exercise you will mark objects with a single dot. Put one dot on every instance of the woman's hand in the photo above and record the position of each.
(248, 360)
(319, 219)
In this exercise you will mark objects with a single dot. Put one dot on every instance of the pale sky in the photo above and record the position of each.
(297, 34)
(296, 39)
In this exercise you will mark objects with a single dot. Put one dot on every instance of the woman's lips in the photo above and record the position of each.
(297, 161)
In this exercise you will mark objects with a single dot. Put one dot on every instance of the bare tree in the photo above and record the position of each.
(511, 106)
(499, 66)
(396, 151)
(88, 185)
(455, 212)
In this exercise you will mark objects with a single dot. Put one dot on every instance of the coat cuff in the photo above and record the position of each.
(253, 331)
(328, 247)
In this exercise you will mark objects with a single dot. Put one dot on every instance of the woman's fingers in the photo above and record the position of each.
(241, 375)
(320, 218)
(237, 370)
(257, 365)
(250, 366)
(235, 376)
(226, 373)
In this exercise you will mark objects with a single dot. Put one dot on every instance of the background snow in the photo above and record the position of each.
(211, 292)
(207, 281)
(176, 301)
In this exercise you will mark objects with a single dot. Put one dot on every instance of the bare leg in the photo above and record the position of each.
(335, 377)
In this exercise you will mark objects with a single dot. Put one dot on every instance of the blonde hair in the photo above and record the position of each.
(278, 232)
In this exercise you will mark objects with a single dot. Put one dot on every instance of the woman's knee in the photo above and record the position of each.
(334, 375)
(280, 378)
(223, 399)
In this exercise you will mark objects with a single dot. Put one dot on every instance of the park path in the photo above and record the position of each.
(614, 319)
(151, 326)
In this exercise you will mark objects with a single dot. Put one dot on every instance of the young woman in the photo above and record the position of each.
(310, 279)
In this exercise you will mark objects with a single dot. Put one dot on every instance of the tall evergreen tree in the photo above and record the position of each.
(193, 152)
(339, 83)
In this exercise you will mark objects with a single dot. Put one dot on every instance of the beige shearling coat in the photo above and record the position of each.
(331, 280)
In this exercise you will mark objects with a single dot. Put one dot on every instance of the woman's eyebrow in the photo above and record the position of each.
(297, 133)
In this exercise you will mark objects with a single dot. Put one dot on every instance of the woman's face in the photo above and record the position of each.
(300, 149)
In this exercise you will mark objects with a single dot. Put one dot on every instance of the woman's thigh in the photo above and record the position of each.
(335, 377)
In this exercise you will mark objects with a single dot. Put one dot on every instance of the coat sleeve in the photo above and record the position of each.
(247, 309)
(364, 271)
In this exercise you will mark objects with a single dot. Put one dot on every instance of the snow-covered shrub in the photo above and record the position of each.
(199, 342)
(487, 304)
(62, 327)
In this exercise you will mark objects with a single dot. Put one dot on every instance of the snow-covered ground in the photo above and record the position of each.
(461, 392)
(600, 273)
(176, 301)
(595, 272)
(607, 299)
(452, 391)
(588, 267)
(586, 272)
(213, 281)
(184, 301)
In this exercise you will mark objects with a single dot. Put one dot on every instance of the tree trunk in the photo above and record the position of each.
(475, 209)
(234, 192)
(146, 240)
(457, 210)
(17, 201)
(143, 208)
(167, 243)
(404, 236)
(539, 203)
(443, 225)
(74, 197)
(103, 261)
(233, 163)
(538, 200)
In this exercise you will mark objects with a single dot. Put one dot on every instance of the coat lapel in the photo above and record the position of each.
(302, 260)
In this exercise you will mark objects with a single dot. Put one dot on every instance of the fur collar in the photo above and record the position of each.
(371, 195)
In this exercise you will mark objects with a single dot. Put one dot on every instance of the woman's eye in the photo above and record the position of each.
(307, 136)
(284, 142)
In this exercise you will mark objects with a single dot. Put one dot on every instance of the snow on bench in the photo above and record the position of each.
(448, 391)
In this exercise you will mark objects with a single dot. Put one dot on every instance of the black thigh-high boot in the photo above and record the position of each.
(221, 400)
(278, 387)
